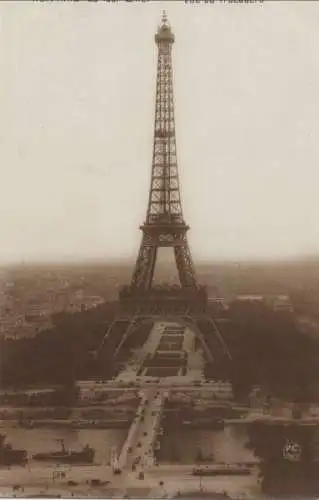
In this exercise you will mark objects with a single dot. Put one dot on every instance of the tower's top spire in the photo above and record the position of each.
(164, 32)
(164, 18)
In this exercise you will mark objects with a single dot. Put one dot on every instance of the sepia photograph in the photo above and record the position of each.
(159, 249)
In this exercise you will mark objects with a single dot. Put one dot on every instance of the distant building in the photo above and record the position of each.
(250, 298)
(10, 324)
(278, 303)
(79, 301)
(282, 303)
(218, 301)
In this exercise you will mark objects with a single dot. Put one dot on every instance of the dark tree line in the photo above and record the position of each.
(58, 355)
(268, 350)
(68, 351)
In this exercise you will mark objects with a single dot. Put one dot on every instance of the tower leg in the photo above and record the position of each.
(145, 264)
(184, 265)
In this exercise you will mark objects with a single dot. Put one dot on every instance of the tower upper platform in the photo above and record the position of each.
(164, 32)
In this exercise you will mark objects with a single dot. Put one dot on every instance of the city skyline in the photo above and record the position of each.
(78, 118)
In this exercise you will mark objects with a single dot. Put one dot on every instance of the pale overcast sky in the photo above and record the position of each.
(76, 118)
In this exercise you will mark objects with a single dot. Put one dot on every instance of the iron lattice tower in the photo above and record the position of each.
(164, 226)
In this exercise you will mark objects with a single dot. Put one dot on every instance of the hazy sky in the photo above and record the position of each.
(76, 122)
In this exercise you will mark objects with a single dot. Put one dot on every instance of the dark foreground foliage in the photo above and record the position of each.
(267, 349)
(290, 473)
(67, 352)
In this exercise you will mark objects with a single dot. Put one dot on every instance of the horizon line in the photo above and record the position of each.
(302, 258)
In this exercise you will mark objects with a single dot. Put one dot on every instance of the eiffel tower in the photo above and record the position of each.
(164, 226)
